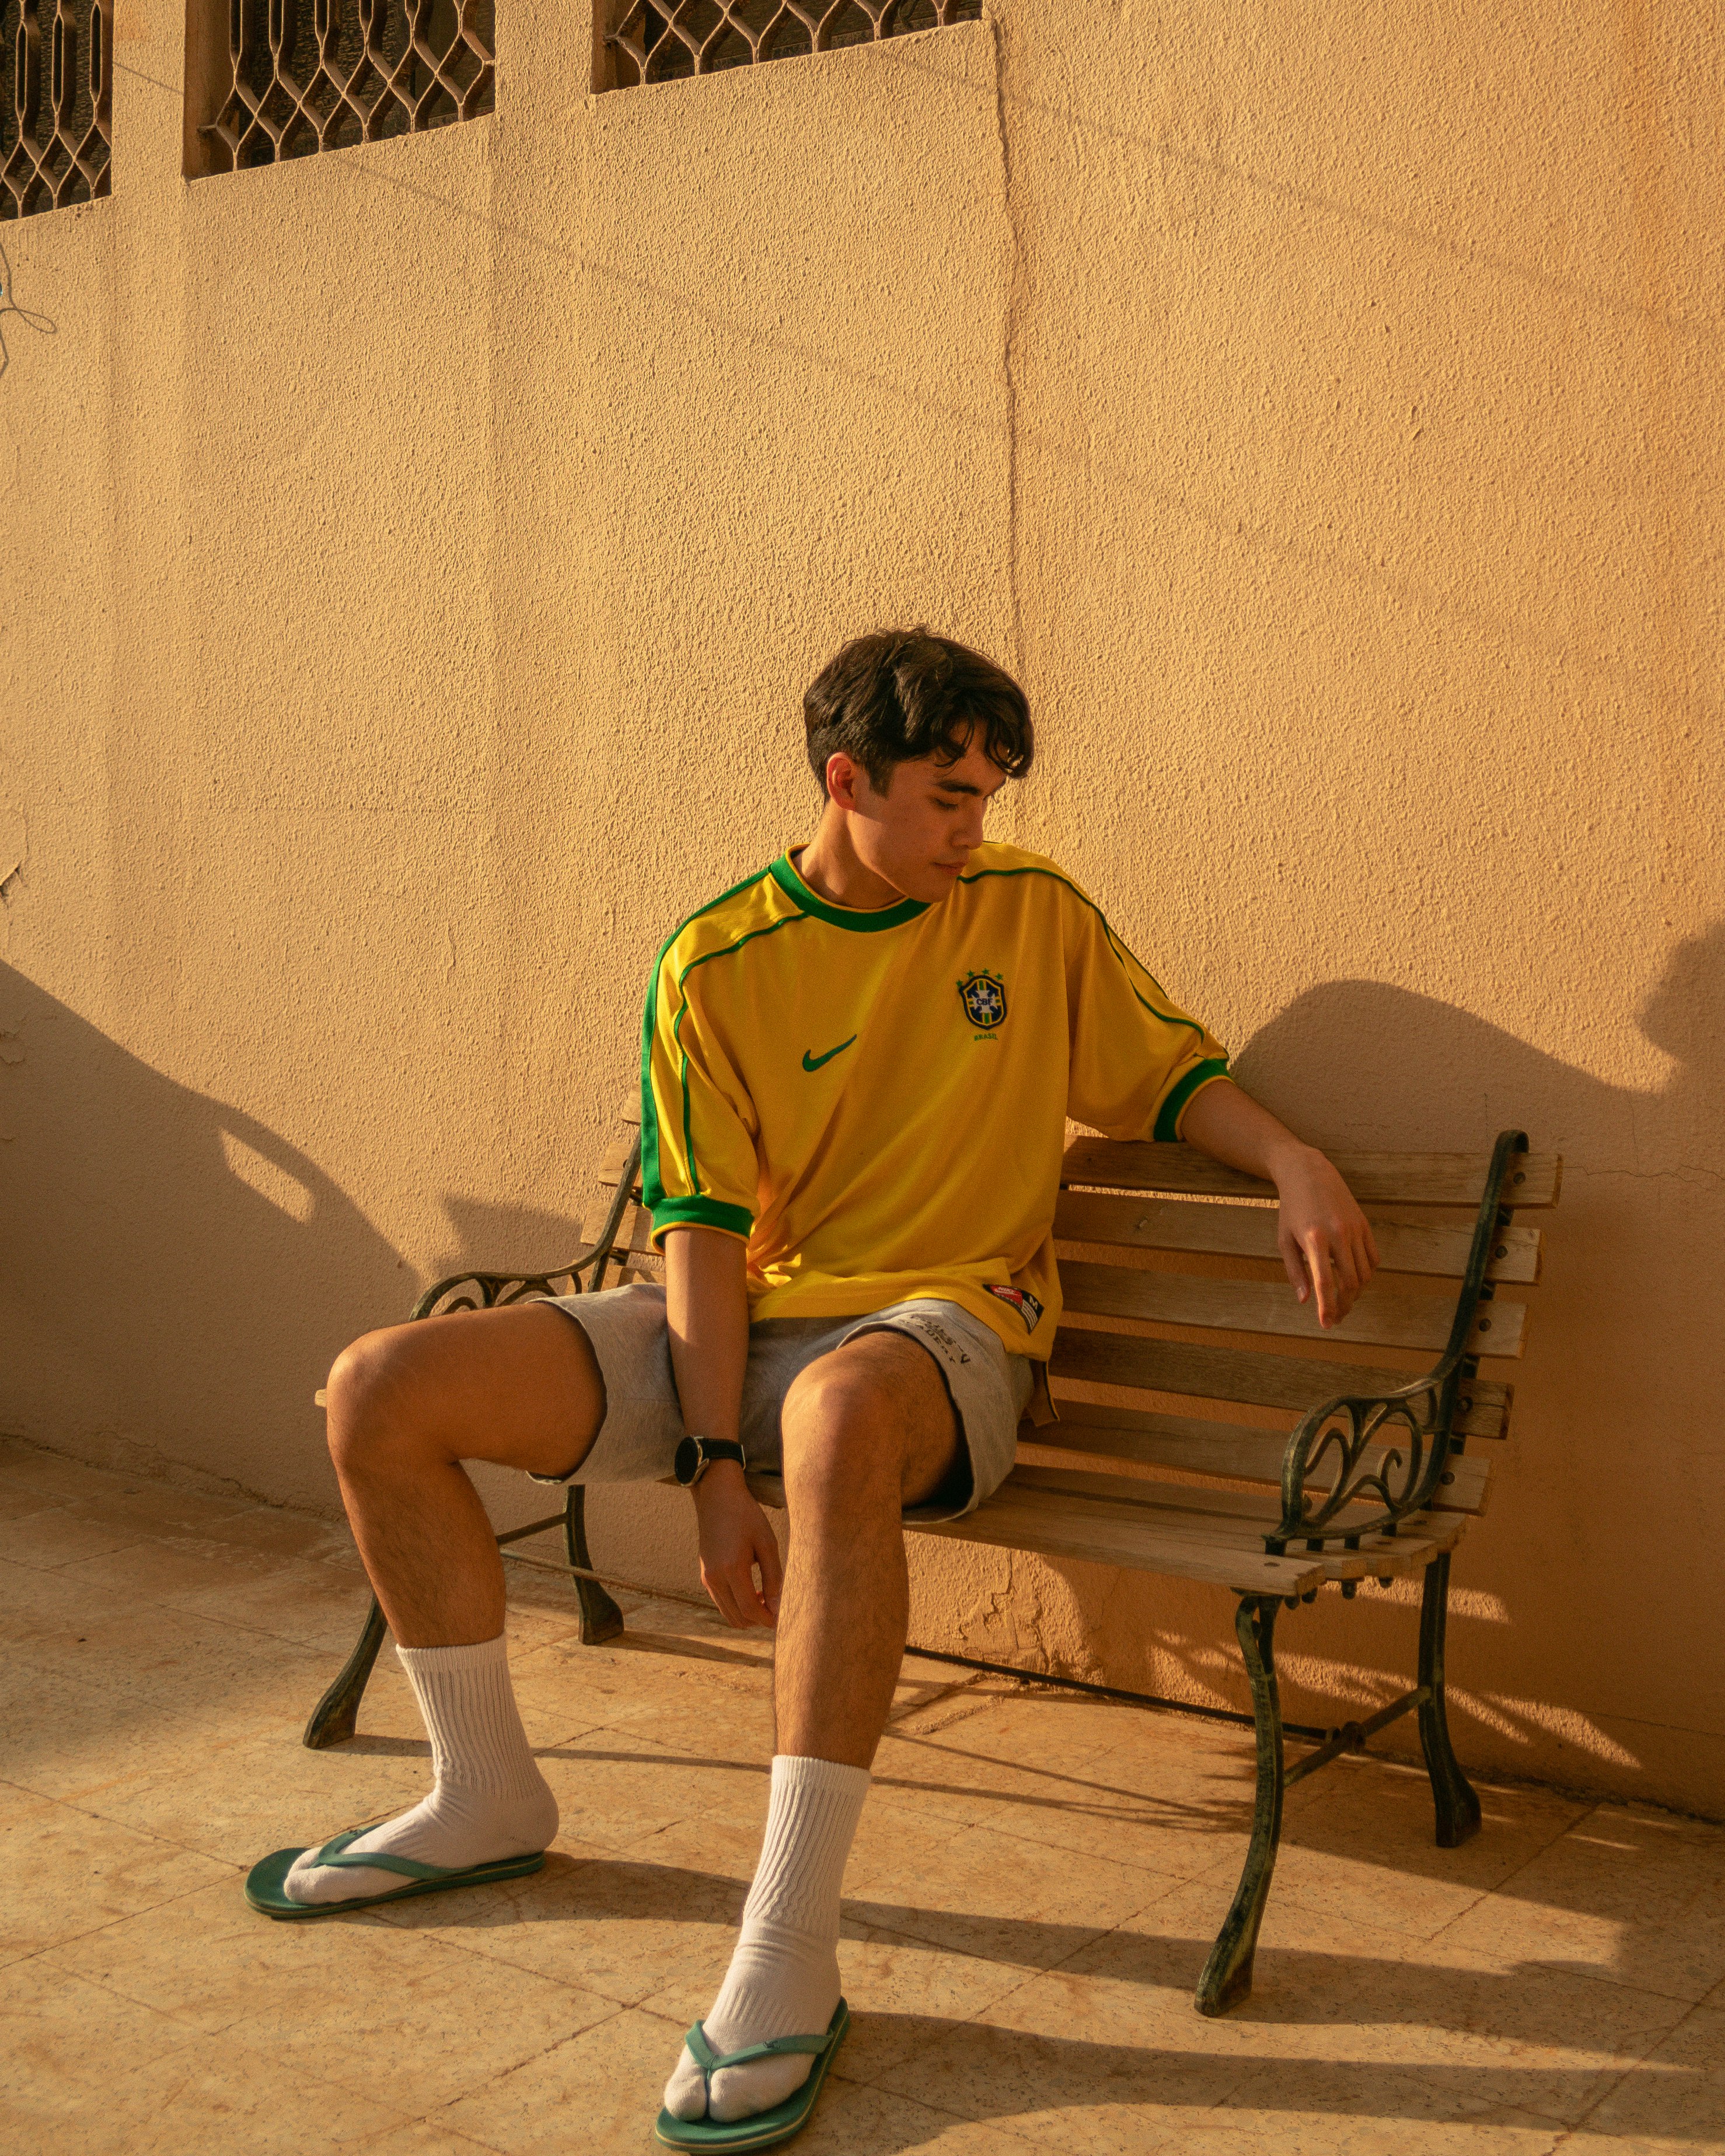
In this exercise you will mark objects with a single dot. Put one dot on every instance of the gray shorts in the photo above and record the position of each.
(644, 1422)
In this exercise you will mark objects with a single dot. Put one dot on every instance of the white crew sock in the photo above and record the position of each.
(488, 1800)
(784, 1977)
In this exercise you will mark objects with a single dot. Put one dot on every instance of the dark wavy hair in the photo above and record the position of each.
(903, 693)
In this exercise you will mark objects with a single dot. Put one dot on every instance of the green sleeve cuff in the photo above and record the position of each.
(1168, 1119)
(700, 1213)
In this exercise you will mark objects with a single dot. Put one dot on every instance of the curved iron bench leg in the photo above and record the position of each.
(601, 1620)
(1227, 1976)
(1458, 1808)
(334, 1717)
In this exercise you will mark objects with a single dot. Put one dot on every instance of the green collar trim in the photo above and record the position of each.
(842, 916)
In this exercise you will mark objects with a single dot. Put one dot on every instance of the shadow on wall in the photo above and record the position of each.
(175, 1279)
(1583, 1589)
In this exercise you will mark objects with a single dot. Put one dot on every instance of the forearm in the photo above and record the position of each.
(1231, 1126)
(1326, 1241)
(707, 1316)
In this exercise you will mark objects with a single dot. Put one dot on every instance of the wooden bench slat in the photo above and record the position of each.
(1195, 1509)
(1249, 1231)
(1377, 1320)
(1243, 1374)
(1100, 1530)
(1233, 1450)
(1220, 1518)
(1213, 1515)
(1391, 1178)
(1104, 1534)
(611, 1167)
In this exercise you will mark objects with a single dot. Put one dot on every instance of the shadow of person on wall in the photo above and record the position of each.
(1597, 1578)
(177, 1278)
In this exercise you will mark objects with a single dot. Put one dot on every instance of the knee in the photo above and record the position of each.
(840, 1442)
(370, 1397)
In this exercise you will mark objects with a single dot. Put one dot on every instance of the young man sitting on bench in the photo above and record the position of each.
(857, 1067)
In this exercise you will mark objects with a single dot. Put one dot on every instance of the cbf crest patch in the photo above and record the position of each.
(983, 996)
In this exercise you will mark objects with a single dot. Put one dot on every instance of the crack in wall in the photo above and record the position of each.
(1015, 295)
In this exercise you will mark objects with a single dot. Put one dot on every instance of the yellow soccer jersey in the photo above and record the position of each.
(876, 1101)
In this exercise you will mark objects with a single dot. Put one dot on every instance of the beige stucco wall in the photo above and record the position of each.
(413, 555)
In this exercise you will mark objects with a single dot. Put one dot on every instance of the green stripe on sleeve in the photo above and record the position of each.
(652, 1184)
(700, 1213)
(1168, 1119)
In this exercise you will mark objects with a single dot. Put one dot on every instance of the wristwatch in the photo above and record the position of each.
(696, 1455)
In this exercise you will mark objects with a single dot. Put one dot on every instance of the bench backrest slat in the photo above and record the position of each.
(1192, 1228)
(1379, 1319)
(1245, 1377)
(1375, 1178)
(1189, 1445)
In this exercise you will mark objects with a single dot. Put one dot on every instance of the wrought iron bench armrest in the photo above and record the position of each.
(496, 1290)
(1415, 1419)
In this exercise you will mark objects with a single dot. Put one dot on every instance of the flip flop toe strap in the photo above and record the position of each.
(335, 1855)
(711, 2061)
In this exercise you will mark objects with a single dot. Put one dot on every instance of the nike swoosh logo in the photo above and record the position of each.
(814, 1062)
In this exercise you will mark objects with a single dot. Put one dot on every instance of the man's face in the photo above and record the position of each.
(921, 832)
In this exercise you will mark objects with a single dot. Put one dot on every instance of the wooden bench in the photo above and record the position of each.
(1209, 1430)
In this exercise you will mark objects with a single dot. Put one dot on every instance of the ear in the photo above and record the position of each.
(843, 777)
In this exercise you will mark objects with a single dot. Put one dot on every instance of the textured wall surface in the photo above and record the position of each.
(414, 555)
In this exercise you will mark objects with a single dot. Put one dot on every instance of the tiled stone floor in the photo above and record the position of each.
(1033, 1890)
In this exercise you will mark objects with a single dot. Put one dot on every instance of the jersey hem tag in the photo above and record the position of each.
(1022, 1301)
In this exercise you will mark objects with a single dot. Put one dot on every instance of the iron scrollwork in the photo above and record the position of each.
(1390, 1447)
(498, 1291)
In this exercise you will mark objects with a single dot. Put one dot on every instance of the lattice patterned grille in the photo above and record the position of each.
(680, 38)
(339, 72)
(54, 121)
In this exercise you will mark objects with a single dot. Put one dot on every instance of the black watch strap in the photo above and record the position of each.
(696, 1455)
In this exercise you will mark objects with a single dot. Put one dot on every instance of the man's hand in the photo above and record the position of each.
(1326, 1241)
(735, 1537)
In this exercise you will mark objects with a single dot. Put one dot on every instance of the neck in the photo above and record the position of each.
(832, 869)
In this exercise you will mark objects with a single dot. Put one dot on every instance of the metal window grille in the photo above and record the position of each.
(298, 79)
(54, 147)
(677, 38)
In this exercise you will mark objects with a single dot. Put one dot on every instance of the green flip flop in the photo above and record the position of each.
(264, 1882)
(766, 2127)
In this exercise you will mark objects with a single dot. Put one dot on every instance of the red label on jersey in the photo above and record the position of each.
(1022, 1301)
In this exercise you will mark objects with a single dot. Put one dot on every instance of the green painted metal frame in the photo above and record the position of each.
(1227, 1977)
(335, 1715)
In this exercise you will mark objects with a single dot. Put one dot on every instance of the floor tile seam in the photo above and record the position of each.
(1545, 1847)
(185, 1848)
(943, 1945)
(1289, 1894)
(434, 2118)
(196, 2032)
(1090, 1856)
(496, 2081)
(143, 1834)
(1027, 1971)
(1577, 2124)
(129, 1915)
(1593, 1975)
(64, 1570)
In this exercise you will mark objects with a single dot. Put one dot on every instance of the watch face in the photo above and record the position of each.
(687, 1464)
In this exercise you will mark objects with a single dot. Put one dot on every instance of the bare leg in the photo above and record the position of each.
(407, 1406)
(868, 1430)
